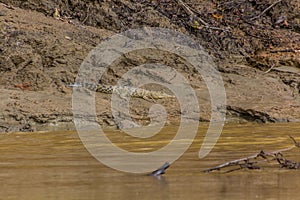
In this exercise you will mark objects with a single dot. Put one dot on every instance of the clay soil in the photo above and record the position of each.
(254, 43)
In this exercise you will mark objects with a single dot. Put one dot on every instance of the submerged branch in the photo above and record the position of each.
(251, 162)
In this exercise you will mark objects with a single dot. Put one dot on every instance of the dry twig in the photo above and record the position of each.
(263, 12)
(87, 15)
(270, 69)
(8, 6)
(195, 20)
(285, 50)
(190, 12)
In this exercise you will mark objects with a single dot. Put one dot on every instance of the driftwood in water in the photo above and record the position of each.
(161, 170)
(251, 162)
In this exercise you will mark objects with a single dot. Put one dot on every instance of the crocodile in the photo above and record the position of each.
(124, 91)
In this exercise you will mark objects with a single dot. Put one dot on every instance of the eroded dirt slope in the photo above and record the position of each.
(256, 50)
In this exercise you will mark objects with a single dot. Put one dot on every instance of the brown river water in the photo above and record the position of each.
(56, 165)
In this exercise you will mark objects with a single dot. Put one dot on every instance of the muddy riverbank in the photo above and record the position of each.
(255, 45)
